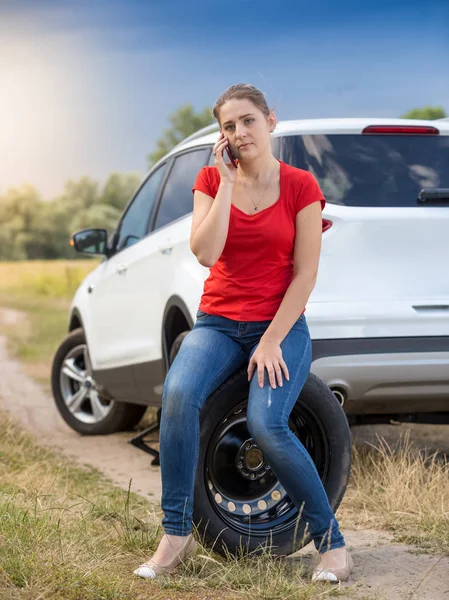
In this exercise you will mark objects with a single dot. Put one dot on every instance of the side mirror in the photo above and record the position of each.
(90, 241)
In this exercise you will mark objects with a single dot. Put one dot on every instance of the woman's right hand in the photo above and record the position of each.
(228, 172)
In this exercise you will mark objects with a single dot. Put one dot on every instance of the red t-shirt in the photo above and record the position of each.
(249, 280)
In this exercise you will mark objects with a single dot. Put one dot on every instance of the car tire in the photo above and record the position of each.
(176, 346)
(70, 379)
(319, 422)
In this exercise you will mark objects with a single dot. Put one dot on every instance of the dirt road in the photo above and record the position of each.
(112, 455)
(383, 569)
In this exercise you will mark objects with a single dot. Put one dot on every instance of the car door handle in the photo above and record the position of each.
(165, 249)
(121, 269)
(431, 308)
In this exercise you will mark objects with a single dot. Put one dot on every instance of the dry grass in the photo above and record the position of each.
(42, 291)
(400, 488)
(47, 278)
(68, 533)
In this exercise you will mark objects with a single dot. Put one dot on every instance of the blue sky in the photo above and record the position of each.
(87, 85)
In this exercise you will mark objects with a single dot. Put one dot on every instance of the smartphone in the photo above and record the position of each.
(231, 156)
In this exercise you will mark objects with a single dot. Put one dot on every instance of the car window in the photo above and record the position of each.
(211, 162)
(371, 170)
(177, 197)
(134, 225)
(212, 158)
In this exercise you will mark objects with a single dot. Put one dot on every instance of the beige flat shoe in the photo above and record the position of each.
(150, 569)
(335, 575)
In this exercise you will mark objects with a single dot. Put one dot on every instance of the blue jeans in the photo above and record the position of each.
(214, 349)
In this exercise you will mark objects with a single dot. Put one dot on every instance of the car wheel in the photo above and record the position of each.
(239, 502)
(176, 346)
(76, 395)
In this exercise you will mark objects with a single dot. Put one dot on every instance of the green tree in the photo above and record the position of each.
(52, 233)
(8, 248)
(119, 188)
(76, 199)
(100, 215)
(184, 122)
(32, 228)
(79, 195)
(19, 215)
(428, 113)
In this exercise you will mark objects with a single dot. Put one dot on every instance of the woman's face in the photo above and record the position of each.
(247, 128)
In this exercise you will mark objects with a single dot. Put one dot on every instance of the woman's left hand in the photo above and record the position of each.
(268, 355)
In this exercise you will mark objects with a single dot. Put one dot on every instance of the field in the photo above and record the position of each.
(43, 291)
(66, 532)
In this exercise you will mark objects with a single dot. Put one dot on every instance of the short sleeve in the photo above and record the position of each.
(310, 192)
(204, 183)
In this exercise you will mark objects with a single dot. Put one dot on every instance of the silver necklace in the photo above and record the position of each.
(264, 192)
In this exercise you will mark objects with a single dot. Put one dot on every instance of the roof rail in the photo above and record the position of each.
(208, 129)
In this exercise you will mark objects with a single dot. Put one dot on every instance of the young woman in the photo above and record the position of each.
(258, 228)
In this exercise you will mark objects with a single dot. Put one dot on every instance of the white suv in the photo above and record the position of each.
(378, 316)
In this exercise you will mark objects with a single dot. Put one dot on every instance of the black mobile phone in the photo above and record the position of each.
(231, 156)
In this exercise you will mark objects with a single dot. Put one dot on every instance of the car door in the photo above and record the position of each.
(119, 298)
(171, 236)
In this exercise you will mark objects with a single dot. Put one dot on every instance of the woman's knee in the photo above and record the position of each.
(180, 395)
(262, 426)
(265, 424)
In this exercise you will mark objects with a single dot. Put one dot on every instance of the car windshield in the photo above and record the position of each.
(371, 170)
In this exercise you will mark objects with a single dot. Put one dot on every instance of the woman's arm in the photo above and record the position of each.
(210, 224)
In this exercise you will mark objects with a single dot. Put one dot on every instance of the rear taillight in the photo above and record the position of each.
(400, 130)
(326, 224)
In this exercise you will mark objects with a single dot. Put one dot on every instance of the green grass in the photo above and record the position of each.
(68, 533)
(44, 278)
(41, 326)
(42, 292)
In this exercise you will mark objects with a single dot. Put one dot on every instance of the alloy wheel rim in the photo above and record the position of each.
(79, 390)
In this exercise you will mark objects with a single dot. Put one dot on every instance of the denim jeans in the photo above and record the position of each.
(214, 349)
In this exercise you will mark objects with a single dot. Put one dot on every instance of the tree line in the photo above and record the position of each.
(34, 228)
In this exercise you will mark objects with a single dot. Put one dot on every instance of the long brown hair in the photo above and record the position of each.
(242, 91)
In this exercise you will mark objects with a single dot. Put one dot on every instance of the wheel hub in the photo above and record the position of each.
(79, 390)
(250, 461)
(89, 383)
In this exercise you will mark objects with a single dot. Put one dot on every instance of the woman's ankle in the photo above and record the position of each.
(336, 557)
(333, 550)
(177, 539)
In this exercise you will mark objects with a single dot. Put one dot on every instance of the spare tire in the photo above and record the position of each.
(237, 509)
